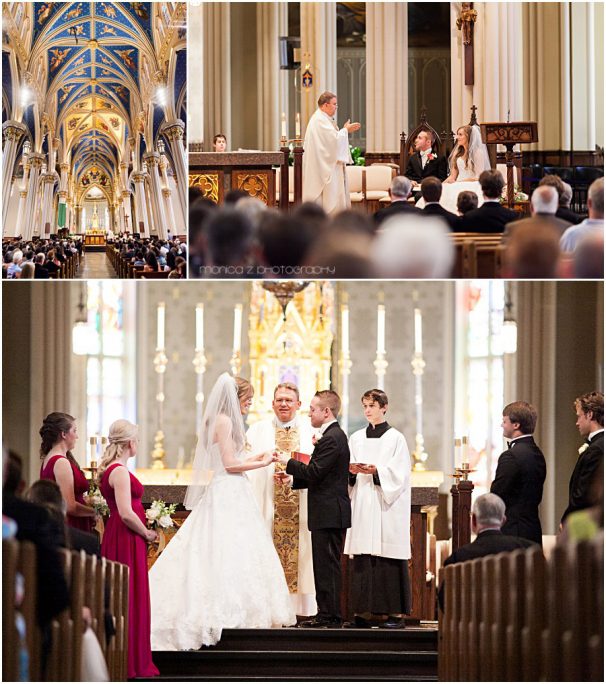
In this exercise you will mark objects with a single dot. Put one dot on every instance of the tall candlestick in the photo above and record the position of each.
(161, 317)
(457, 451)
(418, 332)
(345, 329)
(464, 450)
(199, 327)
(298, 125)
(93, 449)
(237, 327)
(380, 329)
(283, 125)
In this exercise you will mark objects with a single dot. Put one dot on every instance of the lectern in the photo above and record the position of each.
(509, 134)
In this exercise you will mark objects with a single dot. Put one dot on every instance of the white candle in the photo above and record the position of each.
(345, 329)
(199, 327)
(161, 313)
(457, 452)
(464, 450)
(93, 449)
(237, 327)
(381, 329)
(283, 125)
(418, 332)
(298, 126)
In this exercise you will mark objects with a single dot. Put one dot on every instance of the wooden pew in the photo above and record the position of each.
(154, 275)
(10, 636)
(478, 255)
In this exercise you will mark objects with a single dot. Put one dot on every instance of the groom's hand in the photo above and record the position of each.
(282, 457)
(283, 478)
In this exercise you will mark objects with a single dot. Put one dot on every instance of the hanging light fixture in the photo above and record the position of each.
(81, 330)
(27, 148)
(160, 146)
(510, 327)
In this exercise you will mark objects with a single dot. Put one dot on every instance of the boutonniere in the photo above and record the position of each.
(583, 448)
(431, 156)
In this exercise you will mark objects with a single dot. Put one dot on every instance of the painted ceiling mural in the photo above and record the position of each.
(96, 68)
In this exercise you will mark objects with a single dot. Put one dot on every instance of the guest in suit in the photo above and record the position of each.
(326, 478)
(425, 162)
(40, 271)
(466, 201)
(532, 252)
(590, 423)
(564, 198)
(431, 191)
(543, 206)
(491, 217)
(520, 473)
(399, 192)
(487, 520)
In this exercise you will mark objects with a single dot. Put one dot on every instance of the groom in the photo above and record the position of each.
(425, 162)
(329, 510)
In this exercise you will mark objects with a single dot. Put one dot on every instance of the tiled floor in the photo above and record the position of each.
(96, 265)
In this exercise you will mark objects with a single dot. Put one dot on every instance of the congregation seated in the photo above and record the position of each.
(50, 254)
(399, 192)
(564, 191)
(466, 201)
(491, 217)
(588, 257)
(431, 191)
(592, 226)
(151, 255)
(543, 206)
(532, 251)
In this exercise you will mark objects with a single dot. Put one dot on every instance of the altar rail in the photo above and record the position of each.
(89, 579)
(517, 617)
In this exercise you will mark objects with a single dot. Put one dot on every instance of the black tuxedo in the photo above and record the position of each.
(491, 217)
(584, 472)
(487, 543)
(519, 482)
(326, 479)
(567, 214)
(436, 167)
(40, 272)
(438, 210)
(398, 207)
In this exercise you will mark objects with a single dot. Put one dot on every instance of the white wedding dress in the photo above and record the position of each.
(219, 571)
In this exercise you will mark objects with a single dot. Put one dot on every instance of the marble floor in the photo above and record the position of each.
(96, 265)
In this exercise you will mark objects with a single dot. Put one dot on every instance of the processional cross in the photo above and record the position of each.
(465, 23)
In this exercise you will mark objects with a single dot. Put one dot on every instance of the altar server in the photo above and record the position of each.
(379, 538)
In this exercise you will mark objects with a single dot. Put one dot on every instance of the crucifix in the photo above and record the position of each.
(465, 23)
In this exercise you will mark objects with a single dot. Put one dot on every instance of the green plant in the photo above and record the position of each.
(356, 155)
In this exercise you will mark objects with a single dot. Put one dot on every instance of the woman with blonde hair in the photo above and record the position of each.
(125, 540)
(221, 569)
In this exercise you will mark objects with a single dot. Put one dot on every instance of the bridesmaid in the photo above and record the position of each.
(125, 540)
(59, 435)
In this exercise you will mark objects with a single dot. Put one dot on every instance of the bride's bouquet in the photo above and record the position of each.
(94, 499)
(159, 514)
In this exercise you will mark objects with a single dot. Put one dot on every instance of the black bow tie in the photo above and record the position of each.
(509, 445)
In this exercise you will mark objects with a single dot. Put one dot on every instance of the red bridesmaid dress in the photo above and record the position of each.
(123, 545)
(80, 489)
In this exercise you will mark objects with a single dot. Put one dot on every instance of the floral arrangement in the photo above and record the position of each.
(95, 499)
(159, 514)
(518, 195)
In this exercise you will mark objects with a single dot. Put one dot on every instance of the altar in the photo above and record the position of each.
(216, 173)
(95, 237)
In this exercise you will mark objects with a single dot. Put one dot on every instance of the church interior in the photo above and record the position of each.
(94, 127)
(450, 355)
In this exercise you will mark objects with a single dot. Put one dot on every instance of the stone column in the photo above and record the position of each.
(174, 133)
(36, 160)
(216, 74)
(583, 57)
(319, 49)
(63, 192)
(270, 95)
(21, 212)
(12, 132)
(195, 57)
(166, 195)
(386, 75)
(47, 181)
(127, 211)
(142, 222)
(153, 160)
(498, 87)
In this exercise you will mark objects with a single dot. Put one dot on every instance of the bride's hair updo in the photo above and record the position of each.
(459, 150)
(53, 427)
(245, 389)
(121, 432)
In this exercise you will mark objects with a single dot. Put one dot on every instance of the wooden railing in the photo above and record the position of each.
(517, 617)
(91, 581)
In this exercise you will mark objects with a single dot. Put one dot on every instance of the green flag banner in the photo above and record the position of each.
(62, 213)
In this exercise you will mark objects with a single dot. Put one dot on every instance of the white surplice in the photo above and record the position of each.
(261, 437)
(326, 154)
(380, 514)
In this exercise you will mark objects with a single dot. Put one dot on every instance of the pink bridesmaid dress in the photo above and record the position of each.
(80, 489)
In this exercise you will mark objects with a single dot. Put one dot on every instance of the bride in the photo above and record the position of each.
(221, 569)
(467, 160)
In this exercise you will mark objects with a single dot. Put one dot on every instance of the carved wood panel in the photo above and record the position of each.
(210, 184)
(259, 183)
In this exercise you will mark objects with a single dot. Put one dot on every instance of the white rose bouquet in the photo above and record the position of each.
(95, 499)
(159, 514)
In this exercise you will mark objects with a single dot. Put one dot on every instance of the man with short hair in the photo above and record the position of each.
(590, 423)
(487, 521)
(594, 225)
(521, 472)
(543, 205)
(326, 154)
(431, 191)
(219, 143)
(285, 510)
(40, 272)
(399, 192)
(326, 478)
(492, 216)
(425, 162)
(564, 197)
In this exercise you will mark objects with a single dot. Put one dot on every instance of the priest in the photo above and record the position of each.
(285, 510)
(379, 537)
(326, 152)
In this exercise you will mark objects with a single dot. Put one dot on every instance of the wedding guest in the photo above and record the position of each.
(125, 540)
(492, 216)
(219, 143)
(564, 198)
(466, 202)
(14, 270)
(151, 263)
(588, 258)
(594, 225)
(40, 270)
(543, 206)
(532, 252)
(59, 435)
(27, 271)
(399, 192)
(431, 191)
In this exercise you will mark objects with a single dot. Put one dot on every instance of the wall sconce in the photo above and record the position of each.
(81, 331)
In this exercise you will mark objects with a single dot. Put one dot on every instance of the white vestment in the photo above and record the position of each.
(326, 153)
(261, 437)
(380, 514)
